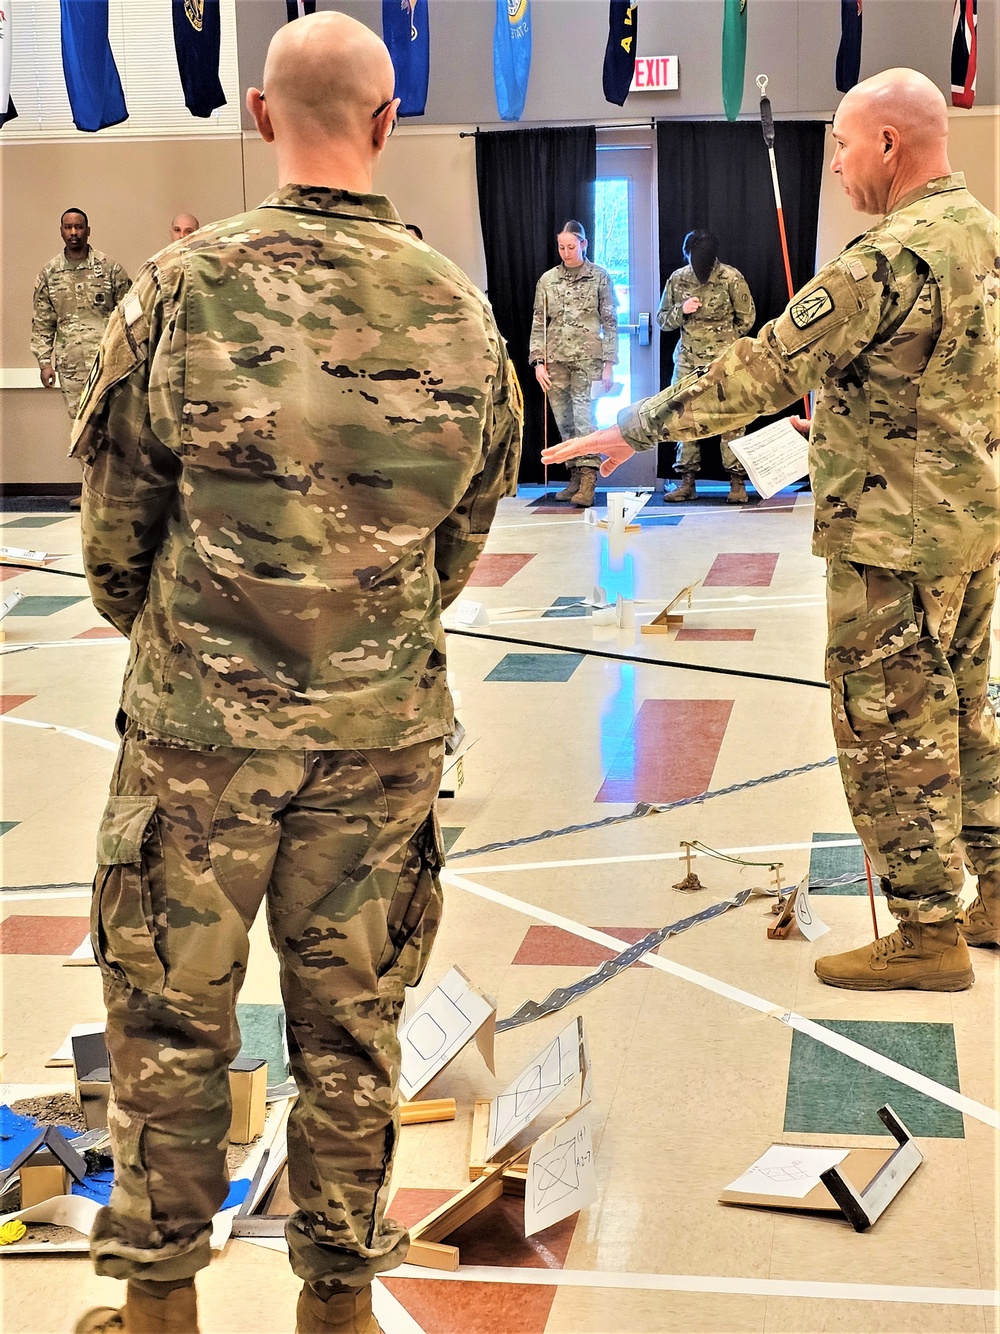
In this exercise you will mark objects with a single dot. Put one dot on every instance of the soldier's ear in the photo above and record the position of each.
(257, 107)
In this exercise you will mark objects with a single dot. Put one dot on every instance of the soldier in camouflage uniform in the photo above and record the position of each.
(295, 438)
(74, 296)
(574, 341)
(711, 304)
(899, 335)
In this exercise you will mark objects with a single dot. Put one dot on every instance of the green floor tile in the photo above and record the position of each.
(7, 825)
(831, 1094)
(262, 1028)
(535, 667)
(451, 834)
(828, 863)
(35, 521)
(39, 606)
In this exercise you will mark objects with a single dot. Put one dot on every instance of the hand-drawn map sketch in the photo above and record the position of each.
(562, 1062)
(562, 1177)
(452, 1014)
(789, 1170)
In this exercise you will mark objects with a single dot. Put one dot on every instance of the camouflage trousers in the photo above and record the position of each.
(72, 390)
(688, 457)
(344, 848)
(571, 403)
(919, 748)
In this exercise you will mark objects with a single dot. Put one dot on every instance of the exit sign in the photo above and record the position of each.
(654, 74)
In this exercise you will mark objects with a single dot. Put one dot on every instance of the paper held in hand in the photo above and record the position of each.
(774, 457)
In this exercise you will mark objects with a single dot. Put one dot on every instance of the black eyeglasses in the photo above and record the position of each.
(378, 111)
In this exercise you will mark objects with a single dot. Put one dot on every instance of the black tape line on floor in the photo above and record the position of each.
(645, 808)
(41, 569)
(563, 996)
(635, 657)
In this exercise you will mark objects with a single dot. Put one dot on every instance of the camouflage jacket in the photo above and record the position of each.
(726, 313)
(72, 304)
(294, 441)
(580, 307)
(899, 335)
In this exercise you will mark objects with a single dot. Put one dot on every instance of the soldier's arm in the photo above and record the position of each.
(744, 311)
(827, 325)
(607, 311)
(536, 347)
(130, 477)
(120, 282)
(43, 322)
(670, 315)
(460, 539)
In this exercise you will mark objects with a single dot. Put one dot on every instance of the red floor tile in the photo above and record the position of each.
(552, 946)
(493, 571)
(8, 702)
(42, 935)
(101, 632)
(494, 1237)
(704, 635)
(741, 569)
(670, 752)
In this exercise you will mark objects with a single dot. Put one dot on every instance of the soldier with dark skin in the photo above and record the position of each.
(298, 430)
(900, 337)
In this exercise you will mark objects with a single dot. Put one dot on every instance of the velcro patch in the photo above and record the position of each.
(810, 308)
(132, 308)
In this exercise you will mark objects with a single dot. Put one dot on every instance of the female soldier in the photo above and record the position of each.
(711, 305)
(574, 341)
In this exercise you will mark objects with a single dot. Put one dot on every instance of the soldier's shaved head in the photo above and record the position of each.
(892, 137)
(183, 225)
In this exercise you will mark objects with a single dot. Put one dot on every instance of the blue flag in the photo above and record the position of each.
(512, 56)
(92, 81)
(197, 38)
(298, 9)
(849, 51)
(619, 55)
(406, 32)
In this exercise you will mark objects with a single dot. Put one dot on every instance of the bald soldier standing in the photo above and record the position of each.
(899, 335)
(299, 429)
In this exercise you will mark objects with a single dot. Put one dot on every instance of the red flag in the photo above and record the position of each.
(963, 53)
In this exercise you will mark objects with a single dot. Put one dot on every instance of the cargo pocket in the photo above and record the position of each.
(414, 913)
(128, 910)
(868, 689)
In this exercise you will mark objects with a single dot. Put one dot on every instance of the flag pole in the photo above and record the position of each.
(767, 127)
(545, 394)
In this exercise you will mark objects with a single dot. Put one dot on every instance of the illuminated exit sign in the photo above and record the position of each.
(654, 74)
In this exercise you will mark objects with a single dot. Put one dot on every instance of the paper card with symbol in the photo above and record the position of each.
(806, 918)
(451, 1015)
(562, 1063)
(787, 1170)
(562, 1176)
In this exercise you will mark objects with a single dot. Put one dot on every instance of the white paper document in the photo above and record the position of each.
(775, 456)
(562, 1177)
(789, 1170)
(449, 1017)
(559, 1065)
(805, 914)
(597, 389)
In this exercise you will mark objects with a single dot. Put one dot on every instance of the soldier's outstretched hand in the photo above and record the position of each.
(610, 442)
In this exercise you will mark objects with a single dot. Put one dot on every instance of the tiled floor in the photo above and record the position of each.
(694, 1073)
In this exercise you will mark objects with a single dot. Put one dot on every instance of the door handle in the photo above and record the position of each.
(644, 328)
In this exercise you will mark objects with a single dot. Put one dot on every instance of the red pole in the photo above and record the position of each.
(871, 894)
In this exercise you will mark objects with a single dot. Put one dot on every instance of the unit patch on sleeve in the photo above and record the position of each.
(810, 308)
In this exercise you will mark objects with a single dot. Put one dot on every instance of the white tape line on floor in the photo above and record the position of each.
(64, 731)
(863, 1055)
(391, 1314)
(660, 856)
(743, 1287)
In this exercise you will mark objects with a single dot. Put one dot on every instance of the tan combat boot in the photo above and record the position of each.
(571, 487)
(918, 956)
(979, 924)
(686, 490)
(737, 491)
(585, 491)
(174, 1313)
(343, 1313)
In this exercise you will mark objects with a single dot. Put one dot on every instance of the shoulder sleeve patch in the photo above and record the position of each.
(834, 297)
(811, 307)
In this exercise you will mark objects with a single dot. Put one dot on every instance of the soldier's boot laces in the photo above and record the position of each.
(737, 491)
(571, 487)
(685, 491)
(343, 1313)
(585, 491)
(176, 1312)
(979, 924)
(917, 956)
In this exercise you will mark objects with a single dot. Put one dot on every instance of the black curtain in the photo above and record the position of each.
(530, 183)
(716, 175)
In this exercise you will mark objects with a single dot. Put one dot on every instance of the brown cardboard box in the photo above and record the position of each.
(43, 1178)
(248, 1087)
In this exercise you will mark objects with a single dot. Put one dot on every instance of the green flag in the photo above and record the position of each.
(734, 56)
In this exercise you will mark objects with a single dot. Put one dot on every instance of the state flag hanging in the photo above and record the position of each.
(849, 51)
(734, 56)
(298, 9)
(619, 55)
(964, 41)
(406, 32)
(512, 56)
(93, 84)
(197, 38)
(7, 109)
